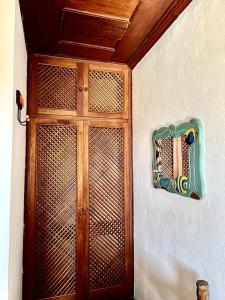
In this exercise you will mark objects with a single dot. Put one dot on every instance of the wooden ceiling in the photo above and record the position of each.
(106, 30)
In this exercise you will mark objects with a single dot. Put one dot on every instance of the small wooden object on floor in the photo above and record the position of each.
(202, 290)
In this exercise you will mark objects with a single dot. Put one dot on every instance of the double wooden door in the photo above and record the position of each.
(78, 229)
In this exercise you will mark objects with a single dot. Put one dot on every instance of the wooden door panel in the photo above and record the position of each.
(53, 201)
(67, 87)
(54, 87)
(109, 204)
(108, 92)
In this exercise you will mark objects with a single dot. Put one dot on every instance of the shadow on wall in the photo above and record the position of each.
(175, 282)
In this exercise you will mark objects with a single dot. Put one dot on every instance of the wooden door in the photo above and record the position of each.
(78, 218)
(108, 91)
(108, 198)
(79, 214)
(70, 87)
(53, 227)
(55, 86)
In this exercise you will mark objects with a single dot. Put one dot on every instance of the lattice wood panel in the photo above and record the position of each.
(106, 236)
(57, 87)
(185, 157)
(56, 193)
(106, 91)
(167, 158)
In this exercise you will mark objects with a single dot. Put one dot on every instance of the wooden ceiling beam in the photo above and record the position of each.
(87, 51)
(145, 17)
(121, 9)
(86, 28)
(164, 23)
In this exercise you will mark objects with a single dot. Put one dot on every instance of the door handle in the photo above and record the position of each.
(81, 89)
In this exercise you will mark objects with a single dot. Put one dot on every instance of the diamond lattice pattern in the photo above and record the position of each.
(56, 193)
(106, 91)
(106, 236)
(167, 158)
(57, 87)
(185, 156)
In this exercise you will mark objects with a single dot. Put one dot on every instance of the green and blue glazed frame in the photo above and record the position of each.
(178, 158)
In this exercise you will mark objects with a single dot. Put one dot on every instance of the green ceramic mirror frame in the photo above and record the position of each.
(177, 162)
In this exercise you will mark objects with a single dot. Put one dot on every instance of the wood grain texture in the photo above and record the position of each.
(177, 157)
(85, 50)
(92, 29)
(111, 215)
(146, 16)
(55, 59)
(56, 209)
(30, 282)
(120, 9)
(119, 31)
(65, 87)
(158, 30)
(54, 83)
(48, 15)
(107, 83)
(29, 214)
(103, 143)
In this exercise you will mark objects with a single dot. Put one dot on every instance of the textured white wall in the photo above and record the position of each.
(7, 17)
(18, 166)
(179, 240)
(13, 60)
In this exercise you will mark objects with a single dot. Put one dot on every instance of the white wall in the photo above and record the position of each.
(7, 17)
(18, 166)
(179, 240)
(12, 136)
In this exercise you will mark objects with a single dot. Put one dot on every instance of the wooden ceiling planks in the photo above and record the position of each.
(107, 30)
(85, 28)
(175, 9)
(147, 15)
(48, 18)
(115, 8)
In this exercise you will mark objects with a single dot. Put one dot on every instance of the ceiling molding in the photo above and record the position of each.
(160, 28)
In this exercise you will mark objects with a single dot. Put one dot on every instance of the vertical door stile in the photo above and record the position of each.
(29, 237)
(128, 204)
(80, 241)
(80, 91)
(86, 209)
(127, 94)
(86, 88)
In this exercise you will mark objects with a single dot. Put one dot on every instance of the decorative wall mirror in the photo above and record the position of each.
(178, 159)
